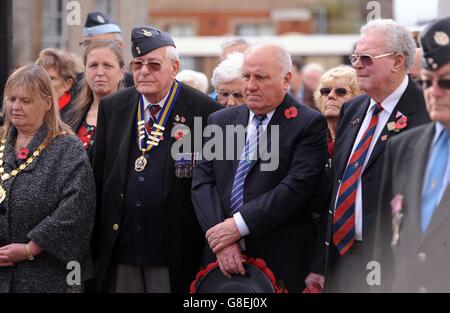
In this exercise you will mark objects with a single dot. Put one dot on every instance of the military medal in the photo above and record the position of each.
(151, 138)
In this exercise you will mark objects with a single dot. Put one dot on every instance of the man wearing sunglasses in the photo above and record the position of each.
(148, 239)
(384, 53)
(413, 229)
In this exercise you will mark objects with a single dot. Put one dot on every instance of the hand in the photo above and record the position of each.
(13, 253)
(222, 235)
(230, 260)
(4, 261)
(314, 283)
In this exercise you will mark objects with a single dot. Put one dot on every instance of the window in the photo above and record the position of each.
(181, 29)
(54, 23)
(255, 29)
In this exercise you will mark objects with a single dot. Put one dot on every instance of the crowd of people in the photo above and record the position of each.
(89, 173)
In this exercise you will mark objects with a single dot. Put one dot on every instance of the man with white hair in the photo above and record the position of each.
(148, 238)
(241, 206)
(392, 104)
(195, 79)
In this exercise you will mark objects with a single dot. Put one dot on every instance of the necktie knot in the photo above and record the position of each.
(378, 108)
(259, 118)
(154, 109)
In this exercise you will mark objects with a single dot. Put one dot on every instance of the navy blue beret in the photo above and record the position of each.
(146, 39)
(435, 40)
(99, 23)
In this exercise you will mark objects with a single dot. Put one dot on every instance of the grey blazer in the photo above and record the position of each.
(51, 202)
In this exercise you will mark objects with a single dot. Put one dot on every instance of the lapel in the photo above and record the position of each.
(240, 118)
(407, 106)
(127, 113)
(416, 162)
(279, 119)
(182, 108)
(349, 136)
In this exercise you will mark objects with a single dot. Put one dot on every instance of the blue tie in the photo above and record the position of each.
(237, 192)
(434, 179)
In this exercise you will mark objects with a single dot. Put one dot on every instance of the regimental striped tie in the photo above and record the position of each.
(153, 110)
(250, 148)
(344, 214)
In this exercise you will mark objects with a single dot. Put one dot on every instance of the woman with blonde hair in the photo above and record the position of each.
(47, 206)
(336, 86)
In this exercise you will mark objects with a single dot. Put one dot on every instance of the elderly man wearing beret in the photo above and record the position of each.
(414, 210)
(147, 237)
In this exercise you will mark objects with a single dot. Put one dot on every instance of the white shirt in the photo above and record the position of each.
(147, 104)
(239, 220)
(388, 107)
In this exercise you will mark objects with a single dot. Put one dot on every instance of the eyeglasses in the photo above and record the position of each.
(367, 59)
(340, 92)
(136, 65)
(442, 83)
(85, 43)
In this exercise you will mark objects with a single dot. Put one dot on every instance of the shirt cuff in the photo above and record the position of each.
(240, 223)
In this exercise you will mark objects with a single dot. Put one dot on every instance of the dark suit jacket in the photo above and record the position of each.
(348, 272)
(277, 204)
(114, 136)
(419, 262)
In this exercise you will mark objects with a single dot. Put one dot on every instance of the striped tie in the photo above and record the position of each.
(344, 214)
(153, 110)
(237, 192)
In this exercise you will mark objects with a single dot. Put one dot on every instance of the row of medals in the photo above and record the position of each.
(153, 139)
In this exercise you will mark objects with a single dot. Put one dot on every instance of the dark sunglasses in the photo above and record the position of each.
(367, 59)
(340, 92)
(136, 65)
(442, 83)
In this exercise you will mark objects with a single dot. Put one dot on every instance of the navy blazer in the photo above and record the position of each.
(277, 204)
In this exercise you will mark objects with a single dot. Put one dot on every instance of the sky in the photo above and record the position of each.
(409, 12)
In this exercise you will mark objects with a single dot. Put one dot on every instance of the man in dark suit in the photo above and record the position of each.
(147, 237)
(413, 227)
(392, 104)
(259, 202)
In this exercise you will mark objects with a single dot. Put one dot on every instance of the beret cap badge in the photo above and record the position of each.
(100, 19)
(138, 50)
(146, 33)
(441, 38)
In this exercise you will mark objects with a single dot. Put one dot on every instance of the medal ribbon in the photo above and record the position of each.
(162, 119)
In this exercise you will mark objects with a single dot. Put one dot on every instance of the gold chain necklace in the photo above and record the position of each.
(5, 176)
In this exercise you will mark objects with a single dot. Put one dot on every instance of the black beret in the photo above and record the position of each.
(146, 39)
(436, 44)
(99, 23)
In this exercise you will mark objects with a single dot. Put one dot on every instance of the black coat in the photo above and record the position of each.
(348, 272)
(183, 238)
(277, 204)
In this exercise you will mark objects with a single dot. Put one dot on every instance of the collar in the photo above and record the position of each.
(160, 103)
(391, 101)
(266, 121)
(439, 128)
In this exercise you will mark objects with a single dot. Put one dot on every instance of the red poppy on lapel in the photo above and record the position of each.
(23, 153)
(402, 122)
(290, 112)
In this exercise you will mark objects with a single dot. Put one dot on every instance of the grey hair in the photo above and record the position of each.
(313, 67)
(284, 58)
(172, 53)
(397, 38)
(230, 42)
(195, 79)
(228, 70)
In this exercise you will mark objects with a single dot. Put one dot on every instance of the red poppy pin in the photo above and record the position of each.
(23, 153)
(180, 133)
(401, 121)
(290, 112)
